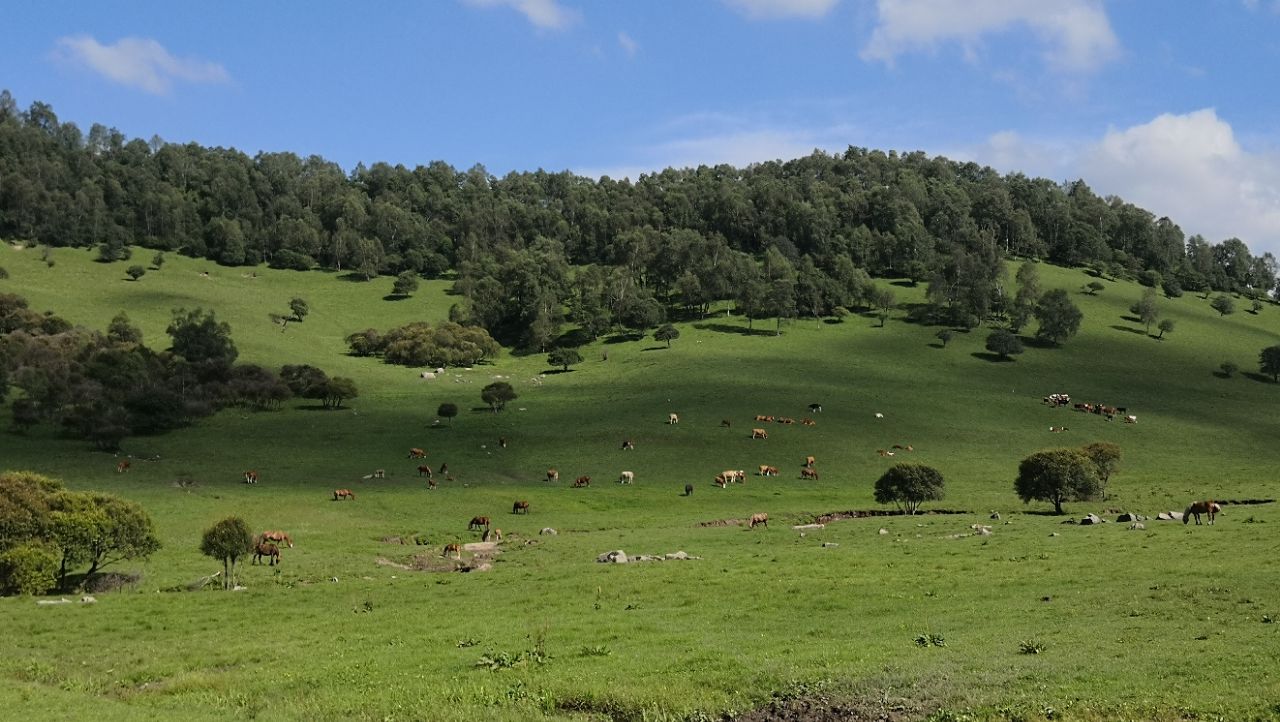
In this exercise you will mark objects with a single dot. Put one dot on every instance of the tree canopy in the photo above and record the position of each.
(908, 486)
(227, 541)
(497, 394)
(1057, 476)
(1059, 318)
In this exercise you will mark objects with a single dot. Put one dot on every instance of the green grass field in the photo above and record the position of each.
(1166, 623)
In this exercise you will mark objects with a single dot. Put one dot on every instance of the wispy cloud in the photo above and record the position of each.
(138, 62)
(545, 14)
(1077, 33)
(1189, 167)
(770, 9)
(629, 45)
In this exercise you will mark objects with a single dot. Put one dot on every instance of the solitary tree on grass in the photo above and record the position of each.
(405, 284)
(1166, 326)
(1004, 342)
(1269, 362)
(299, 308)
(447, 410)
(908, 486)
(497, 394)
(1057, 476)
(227, 540)
(135, 272)
(666, 332)
(1145, 309)
(945, 336)
(1094, 287)
(1223, 305)
(564, 358)
(1059, 318)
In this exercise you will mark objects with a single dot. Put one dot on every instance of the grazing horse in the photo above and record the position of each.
(809, 461)
(809, 473)
(453, 547)
(491, 535)
(122, 466)
(431, 483)
(478, 522)
(553, 475)
(379, 473)
(343, 494)
(502, 441)
(759, 519)
(416, 453)
(725, 423)
(581, 481)
(251, 477)
(520, 507)
(628, 445)
(1210, 508)
(673, 418)
(278, 537)
(266, 549)
(424, 470)
(721, 481)
(815, 408)
(627, 477)
(688, 489)
(759, 434)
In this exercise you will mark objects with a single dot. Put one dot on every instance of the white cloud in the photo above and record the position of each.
(545, 14)
(139, 62)
(1077, 33)
(769, 9)
(1188, 167)
(629, 45)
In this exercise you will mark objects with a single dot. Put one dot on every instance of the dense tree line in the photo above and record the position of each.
(779, 239)
(106, 386)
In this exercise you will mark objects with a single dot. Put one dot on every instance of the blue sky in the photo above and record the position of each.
(1170, 104)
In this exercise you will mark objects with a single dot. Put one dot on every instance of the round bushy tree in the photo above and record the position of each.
(447, 410)
(1057, 476)
(227, 540)
(564, 358)
(1059, 318)
(908, 486)
(1004, 342)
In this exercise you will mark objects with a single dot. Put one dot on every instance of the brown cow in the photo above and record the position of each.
(416, 453)
(520, 507)
(343, 494)
(757, 519)
(424, 470)
(884, 452)
(721, 482)
(808, 422)
(785, 420)
(1209, 507)
(251, 477)
(122, 466)
(278, 537)
(759, 434)
(478, 522)
(809, 461)
(904, 447)
(553, 475)
(453, 547)
(766, 470)
(431, 484)
(581, 481)
(809, 473)
(762, 417)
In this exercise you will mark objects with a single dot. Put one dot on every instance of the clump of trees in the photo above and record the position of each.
(908, 486)
(421, 344)
(309, 382)
(1269, 362)
(48, 534)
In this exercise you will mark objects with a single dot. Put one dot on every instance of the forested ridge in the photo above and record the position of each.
(532, 250)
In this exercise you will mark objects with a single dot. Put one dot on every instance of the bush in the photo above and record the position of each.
(908, 486)
(291, 261)
(1172, 288)
(30, 568)
(1150, 278)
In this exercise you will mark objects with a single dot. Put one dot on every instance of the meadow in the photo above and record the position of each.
(902, 617)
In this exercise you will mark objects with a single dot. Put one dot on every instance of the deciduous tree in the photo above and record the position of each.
(497, 394)
(1059, 318)
(1057, 476)
(908, 486)
(228, 540)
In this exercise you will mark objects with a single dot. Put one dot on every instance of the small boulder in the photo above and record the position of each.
(1053, 533)
(678, 555)
(883, 531)
(807, 527)
(1137, 526)
(548, 531)
(1127, 517)
(614, 557)
(1175, 515)
(1091, 519)
(87, 599)
(1164, 516)
(828, 545)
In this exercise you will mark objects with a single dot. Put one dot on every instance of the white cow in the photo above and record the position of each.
(627, 477)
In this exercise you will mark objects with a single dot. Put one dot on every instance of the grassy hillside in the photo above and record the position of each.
(1128, 629)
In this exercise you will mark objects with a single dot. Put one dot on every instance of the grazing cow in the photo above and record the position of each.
(266, 549)
(581, 482)
(122, 466)
(553, 475)
(502, 441)
(809, 461)
(725, 423)
(879, 415)
(808, 422)
(738, 476)
(343, 494)
(762, 417)
(627, 477)
(884, 452)
(453, 547)
(673, 418)
(785, 420)
(815, 408)
(721, 482)
(628, 445)
(520, 507)
(809, 473)
(903, 447)
(251, 477)
(1057, 429)
(444, 469)
(1131, 419)
(416, 453)
(424, 470)
(379, 473)
(757, 519)
(1210, 508)
(759, 434)
(431, 484)
(688, 489)
(478, 522)
(278, 537)
(494, 535)
(766, 470)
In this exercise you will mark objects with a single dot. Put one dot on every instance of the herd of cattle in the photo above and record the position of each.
(1109, 412)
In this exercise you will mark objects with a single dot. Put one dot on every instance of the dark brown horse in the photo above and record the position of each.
(266, 549)
(1208, 507)
(581, 481)
(343, 494)
(520, 507)
(478, 522)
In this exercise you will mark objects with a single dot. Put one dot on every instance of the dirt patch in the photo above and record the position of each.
(864, 513)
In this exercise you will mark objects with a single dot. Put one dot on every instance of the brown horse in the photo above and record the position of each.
(757, 519)
(478, 522)
(266, 549)
(251, 477)
(520, 507)
(453, 547)
(279, 537)
(416, 453)
(581, 481)
(809, 473)
(424, 470)
(494, 535)
(122, 466)
(431, 483)
(553, 475)
(1209, 507)
(343, 494)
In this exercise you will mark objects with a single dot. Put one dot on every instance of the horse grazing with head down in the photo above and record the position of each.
(279, 537)
(343, 494)
(478, 522)
(266, 549)
(1209, 508)
(453, 547)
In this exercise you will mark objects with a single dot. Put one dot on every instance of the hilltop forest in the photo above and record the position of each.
(795, 238)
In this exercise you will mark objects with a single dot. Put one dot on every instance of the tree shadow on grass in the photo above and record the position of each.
(396, 297)
(936, 344)
(1048, 512)
(353, 277)
(905, 283)
(991, 357)
(318, 407)
(1130, 329)
(727, 328)
(655, 348)
(1037, 342)
(1131, 319)
(572, 339)
(1254, 375)
(556, 372)
(624, 337)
